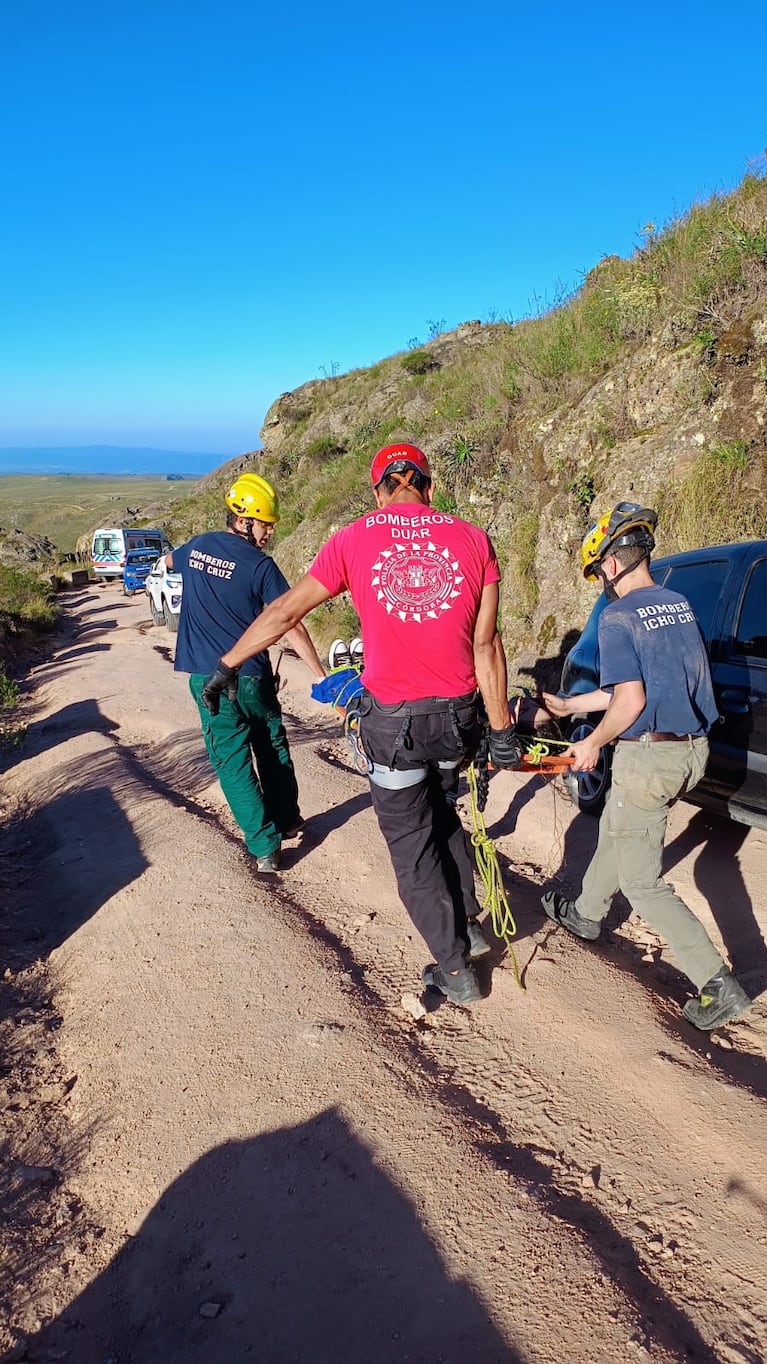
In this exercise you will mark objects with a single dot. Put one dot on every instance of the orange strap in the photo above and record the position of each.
(548, 764)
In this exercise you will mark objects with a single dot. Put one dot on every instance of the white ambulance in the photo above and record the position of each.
(111, 544)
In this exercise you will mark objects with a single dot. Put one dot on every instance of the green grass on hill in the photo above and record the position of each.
(64, 507)
(27, 607)
(26, 597)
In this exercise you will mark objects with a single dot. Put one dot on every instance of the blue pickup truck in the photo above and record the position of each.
(726, 586)
(136, 570)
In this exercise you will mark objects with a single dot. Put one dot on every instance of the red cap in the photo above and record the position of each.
(402, 456)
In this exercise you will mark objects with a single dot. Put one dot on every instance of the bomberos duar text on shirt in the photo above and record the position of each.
(416, 577)
(652, 636)
(227, 584)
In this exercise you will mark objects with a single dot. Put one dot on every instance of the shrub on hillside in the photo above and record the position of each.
(325, 447)
(10, 734)
(25, 598)
(418, 362)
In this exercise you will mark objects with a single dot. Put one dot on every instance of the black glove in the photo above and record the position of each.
(223, 679)
(505, 748)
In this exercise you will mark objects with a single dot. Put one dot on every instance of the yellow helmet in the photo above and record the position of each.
(251, 495)
(627, 524)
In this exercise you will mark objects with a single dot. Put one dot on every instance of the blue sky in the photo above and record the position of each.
(207, 204)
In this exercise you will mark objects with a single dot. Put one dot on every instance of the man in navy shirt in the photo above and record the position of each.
(228, 580)
(656, 692)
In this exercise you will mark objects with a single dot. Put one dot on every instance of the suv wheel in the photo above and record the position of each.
(589, 789)
(170, 619)
(157, 616)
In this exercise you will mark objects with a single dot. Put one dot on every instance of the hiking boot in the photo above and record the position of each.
(461, 988)
(478, 944)
(563, 912)
(270, 863)
(720, 1000)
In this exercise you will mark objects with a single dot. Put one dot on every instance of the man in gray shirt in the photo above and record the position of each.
(656, 692)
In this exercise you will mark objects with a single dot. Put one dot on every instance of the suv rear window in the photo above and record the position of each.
(701, 584)
(751, 634)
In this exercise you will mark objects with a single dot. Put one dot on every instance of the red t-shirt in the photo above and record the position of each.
(416, 577)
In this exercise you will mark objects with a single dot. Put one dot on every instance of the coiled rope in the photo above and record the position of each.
(495, 898)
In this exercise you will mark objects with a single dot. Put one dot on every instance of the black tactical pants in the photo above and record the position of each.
(415, 751)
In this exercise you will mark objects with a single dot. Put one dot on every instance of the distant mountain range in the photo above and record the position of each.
(110, 460)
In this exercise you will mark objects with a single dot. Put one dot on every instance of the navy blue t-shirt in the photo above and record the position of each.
(227, 583)
(651, 636)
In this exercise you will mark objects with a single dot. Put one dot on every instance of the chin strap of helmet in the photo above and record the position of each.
(609, 585)
(247, 533)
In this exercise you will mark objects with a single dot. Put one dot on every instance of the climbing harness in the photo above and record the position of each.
(352, 737)
(342, 688)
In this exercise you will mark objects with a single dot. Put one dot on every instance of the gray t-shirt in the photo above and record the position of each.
(651, 636)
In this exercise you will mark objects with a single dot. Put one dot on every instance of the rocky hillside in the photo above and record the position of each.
(23, 551)
(649, 383)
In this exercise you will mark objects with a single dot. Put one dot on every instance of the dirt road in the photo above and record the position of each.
(230, 1141)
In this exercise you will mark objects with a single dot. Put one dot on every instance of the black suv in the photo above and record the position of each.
(726, 587)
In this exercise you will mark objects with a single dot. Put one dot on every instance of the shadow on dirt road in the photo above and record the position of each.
(289, 1246)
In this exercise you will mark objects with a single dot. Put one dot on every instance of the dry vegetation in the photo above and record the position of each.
(533, 426)
(650, 380)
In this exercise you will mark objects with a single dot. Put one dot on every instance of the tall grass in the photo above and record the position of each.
(680, 276)
(25, 598)
(477, 408)
(26, 605)
(718, 500)
(9, 692)
(522, 583)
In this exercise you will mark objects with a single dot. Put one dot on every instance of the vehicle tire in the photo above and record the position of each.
(126, 592)
(170, 619)
(157, 616)
(588, 790)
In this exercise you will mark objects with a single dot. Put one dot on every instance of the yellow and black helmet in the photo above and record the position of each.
(627, 524)
(251, 495)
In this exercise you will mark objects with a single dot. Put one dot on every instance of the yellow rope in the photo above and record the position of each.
(529, 741)
(535, 752)
(495, 897)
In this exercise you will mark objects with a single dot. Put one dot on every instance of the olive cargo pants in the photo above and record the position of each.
(647, 779)
(264, 804)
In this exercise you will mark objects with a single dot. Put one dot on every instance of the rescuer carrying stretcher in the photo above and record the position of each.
(658, 699)
(425, 587)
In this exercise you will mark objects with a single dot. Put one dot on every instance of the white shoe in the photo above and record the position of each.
(339, 655)
(356, 651)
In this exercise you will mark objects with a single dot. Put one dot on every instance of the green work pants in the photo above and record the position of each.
(264, 798)
(647, 779)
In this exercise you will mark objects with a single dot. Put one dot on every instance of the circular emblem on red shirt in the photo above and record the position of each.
(418, 581)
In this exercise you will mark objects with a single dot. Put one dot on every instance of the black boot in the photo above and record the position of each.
(478, 944)
(563, 912)
(460, 988)
(720, 1001)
